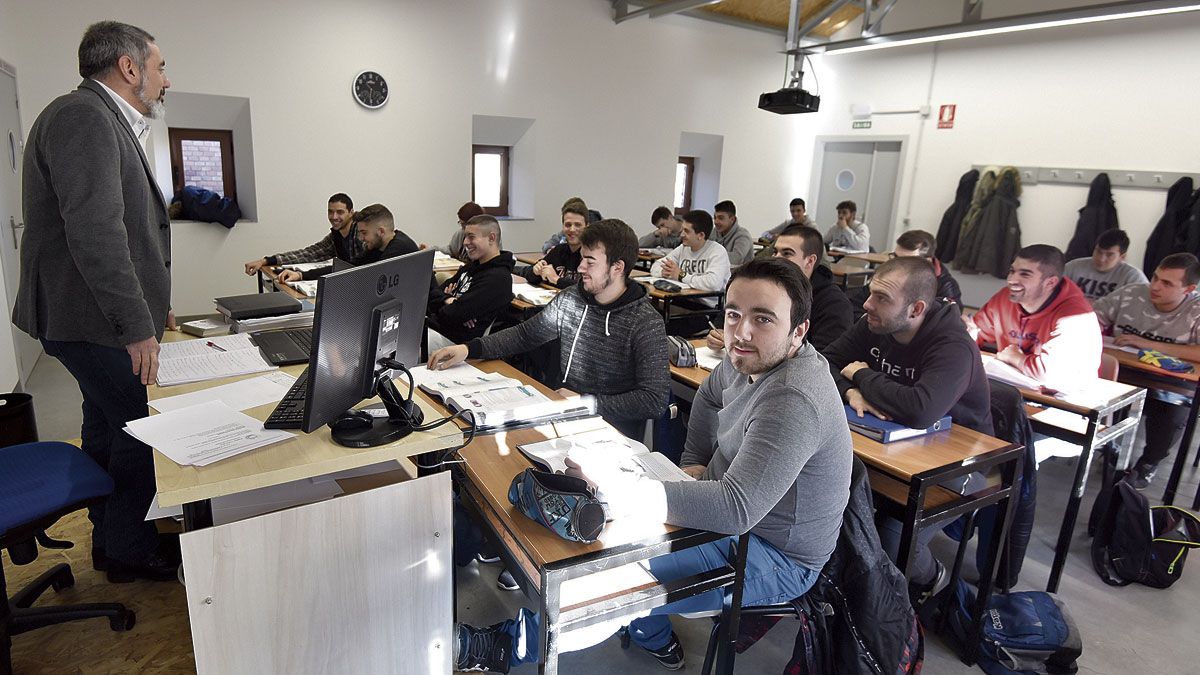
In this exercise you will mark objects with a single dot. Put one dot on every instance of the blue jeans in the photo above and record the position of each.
(771, 577)
(112, 396)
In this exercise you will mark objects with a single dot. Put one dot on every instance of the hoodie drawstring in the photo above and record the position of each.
(606, 315)
(571, 356)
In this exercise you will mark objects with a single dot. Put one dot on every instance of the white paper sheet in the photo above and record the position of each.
(707, 358)
(202, 434)
(240, 395)
(423, 375)
(201, 346)
(211, 366)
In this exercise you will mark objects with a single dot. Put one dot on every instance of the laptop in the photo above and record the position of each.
(284, 347)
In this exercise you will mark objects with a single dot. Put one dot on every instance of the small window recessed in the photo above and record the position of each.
(203, 158)
(489, 178)
(685, 172)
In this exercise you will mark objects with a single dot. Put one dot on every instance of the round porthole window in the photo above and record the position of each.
(845, 180)
(12, 150)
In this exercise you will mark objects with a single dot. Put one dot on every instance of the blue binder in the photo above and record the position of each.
(888, 432)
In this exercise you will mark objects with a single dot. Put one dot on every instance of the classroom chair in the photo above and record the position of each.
(39, 484)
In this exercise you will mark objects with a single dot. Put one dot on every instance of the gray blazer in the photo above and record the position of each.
(96, 256)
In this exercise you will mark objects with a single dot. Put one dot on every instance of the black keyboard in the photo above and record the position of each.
(302, 337)
(289, 413)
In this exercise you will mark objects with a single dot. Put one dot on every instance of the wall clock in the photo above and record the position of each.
(370, 89)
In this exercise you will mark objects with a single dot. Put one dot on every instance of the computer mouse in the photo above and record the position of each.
(352, 420)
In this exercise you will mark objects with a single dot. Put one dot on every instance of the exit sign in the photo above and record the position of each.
(861, 124)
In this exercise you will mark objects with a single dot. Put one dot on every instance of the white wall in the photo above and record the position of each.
(1115, 95)
(610, 103)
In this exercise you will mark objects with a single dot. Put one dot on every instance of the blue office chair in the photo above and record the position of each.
(40, 483)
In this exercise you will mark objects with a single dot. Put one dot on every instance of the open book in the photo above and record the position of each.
(495, 400)
(624, 454)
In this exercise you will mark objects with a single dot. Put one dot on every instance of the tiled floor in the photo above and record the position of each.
(1125, 630)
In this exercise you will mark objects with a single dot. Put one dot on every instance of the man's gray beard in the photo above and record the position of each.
(156, 107)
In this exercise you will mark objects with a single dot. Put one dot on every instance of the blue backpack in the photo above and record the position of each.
(1027, 633)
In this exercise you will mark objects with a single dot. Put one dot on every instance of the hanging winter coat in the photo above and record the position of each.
(1096, 217)
(967, 235)
(997, 234)
(1166, 238)
(952, 219)
(1191, 226)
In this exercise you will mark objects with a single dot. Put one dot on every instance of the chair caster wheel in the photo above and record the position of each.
(123, 621)
(62, 580)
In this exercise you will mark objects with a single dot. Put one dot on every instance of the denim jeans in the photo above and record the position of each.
(112, 396)
(771, 577)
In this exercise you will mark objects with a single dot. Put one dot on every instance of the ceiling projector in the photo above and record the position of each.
(789, 101)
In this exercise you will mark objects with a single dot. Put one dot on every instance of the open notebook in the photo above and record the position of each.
(495, 400)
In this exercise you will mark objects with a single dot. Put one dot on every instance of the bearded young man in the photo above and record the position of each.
(771, 455)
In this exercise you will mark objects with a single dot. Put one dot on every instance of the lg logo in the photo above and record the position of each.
(385, 282)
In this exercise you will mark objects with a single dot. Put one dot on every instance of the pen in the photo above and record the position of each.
(712, 325)
(215, 346)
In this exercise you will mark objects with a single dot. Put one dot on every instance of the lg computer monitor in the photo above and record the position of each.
(363, 314)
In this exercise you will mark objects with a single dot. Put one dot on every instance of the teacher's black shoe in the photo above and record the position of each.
(154, 568)
(99, 559)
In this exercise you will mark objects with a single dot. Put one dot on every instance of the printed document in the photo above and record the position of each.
(202, 434)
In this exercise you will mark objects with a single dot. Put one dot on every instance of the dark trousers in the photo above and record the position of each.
(1164, 424)
(112, 396)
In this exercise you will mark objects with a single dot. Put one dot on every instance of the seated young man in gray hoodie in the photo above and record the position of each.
(613, 342)
(771, 454)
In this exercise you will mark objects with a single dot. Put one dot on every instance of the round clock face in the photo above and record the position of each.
(370, 89)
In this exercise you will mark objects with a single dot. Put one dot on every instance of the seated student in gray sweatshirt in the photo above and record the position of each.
(733, 237)
(666, 230)
(613, 344)
(910, 359)
(1106, 270)
(771, 453)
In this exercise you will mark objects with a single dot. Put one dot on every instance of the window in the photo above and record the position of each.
(204, 158)
(489, 178)
(685, 172)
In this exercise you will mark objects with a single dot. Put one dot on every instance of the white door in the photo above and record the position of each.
(18, 351)
(866, 173)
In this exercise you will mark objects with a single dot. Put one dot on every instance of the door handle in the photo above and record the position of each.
(12, 150)
(12, 223)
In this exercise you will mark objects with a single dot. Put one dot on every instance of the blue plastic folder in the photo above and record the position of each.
(889, 432)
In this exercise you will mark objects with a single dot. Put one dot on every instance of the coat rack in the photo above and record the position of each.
(1121, 178)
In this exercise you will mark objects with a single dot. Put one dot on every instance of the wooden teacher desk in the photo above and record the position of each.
(542, 562)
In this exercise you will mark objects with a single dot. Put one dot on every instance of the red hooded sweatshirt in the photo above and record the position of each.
(1061, 340)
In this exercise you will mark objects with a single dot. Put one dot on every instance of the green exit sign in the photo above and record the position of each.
(861, 124)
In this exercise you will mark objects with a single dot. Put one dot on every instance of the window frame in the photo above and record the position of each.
(689, 184)
(504, 152)
(177, 135)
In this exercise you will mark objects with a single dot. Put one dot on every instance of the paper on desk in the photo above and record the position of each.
(423, 375)
(240, 395)
(202, 434)
(308, 288)
(230, 343)
(1111, 343)
(242, 505)
(211, 366)
(707, 358)
(306, 266)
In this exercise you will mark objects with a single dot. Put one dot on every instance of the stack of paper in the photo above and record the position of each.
(534, 295)
(304, 267)
(297, 320)
(209, 359)
(201, 434)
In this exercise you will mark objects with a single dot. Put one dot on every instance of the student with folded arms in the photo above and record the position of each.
(560, 266)
(465, 305)
(1163, 316)
(455, 248)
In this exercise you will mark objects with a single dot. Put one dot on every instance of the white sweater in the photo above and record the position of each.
(706, 269)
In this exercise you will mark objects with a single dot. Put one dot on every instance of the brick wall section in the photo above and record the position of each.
(202, 165)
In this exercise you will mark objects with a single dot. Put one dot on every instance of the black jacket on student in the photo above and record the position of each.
(916, 384)
(832, 313)
(401, 244)
(564, 261)
(481, 291)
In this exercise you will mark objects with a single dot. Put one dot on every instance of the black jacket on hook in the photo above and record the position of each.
(1167, 238)
(947, 234)
(1096, 217)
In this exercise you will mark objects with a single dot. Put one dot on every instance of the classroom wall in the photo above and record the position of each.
(610, 103)
(1114, 95)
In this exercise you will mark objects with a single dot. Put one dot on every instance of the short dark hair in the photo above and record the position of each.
(617, 238)
(488, 224)
(920, 283)
(468, 211)
(797, 202)
(787, 276)
(1048, 258)
(848, 205)
(577, 206)
(659, 213)
(1114, 237)
(1182, 261)
(814, 243)
(918, 240)
(105, 42)
(700, 220)
(725, 206)
(375, 213)
(343, 198)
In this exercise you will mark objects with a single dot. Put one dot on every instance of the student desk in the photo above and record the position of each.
(870, 258)
(909, 473)
(844, 274)
(665, 299)
(1091, 429)
(305, 456)
(529, 258)
(542, 562)
(646, 258)
(1145, 375)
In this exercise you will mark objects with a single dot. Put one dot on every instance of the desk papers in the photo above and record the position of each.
(197, 360)
(708, 359)
(201, 434)
(306, 266)
(308, 288)
(534, 295)
(1111, 343)
(240, 395)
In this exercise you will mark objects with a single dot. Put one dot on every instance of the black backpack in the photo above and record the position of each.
(1137, 542)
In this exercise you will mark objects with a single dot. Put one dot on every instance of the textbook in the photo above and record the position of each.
(497, 401)
(204, 327)
(888, 432)
(254, 305)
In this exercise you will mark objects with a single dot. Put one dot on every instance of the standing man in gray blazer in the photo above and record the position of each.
(96, 273)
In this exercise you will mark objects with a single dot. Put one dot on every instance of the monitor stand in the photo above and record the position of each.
(401, 418)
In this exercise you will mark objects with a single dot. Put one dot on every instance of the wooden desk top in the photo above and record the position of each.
(529, 257)
(872, 258)
(491, 462)
(649, 256)
(685, 293)
(305, 456)
(902, 459)
(845, 270)
(269, 273)
(1128, 360)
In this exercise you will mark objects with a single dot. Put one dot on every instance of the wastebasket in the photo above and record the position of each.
(17, 423)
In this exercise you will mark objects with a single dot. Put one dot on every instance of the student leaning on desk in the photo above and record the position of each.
(1163, 316)
(375, 228)
(771, 454)
(341, 242)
